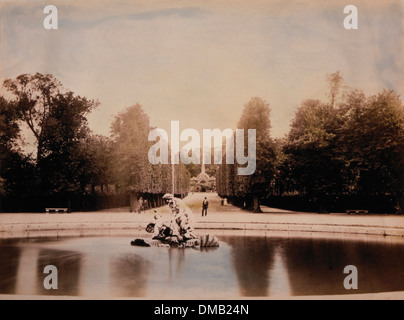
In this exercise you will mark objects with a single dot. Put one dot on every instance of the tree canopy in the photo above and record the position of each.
(256, 115)
(352, 146)
(69, 159)
(132, 168)
(57, 120)
(349, 147)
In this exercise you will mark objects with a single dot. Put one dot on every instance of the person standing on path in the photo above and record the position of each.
(205, 206)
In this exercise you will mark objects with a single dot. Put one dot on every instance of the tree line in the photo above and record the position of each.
(343, 153)
(70, 165)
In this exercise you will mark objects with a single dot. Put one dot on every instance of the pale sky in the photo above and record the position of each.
(201, 61)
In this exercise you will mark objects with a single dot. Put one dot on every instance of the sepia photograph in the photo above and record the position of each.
(189, 152)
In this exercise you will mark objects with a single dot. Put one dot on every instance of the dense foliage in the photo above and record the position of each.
(348, 148)
(347, 151)
(69, 161)
(256, 115)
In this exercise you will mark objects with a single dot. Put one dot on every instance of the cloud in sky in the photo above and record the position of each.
(199, 62)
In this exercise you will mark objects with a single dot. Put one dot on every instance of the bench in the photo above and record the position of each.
(357, 211)
(56, 210)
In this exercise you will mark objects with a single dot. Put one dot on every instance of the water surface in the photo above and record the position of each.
(243, 266)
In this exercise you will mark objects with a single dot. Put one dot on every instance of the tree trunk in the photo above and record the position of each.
(69, 204)
(400, 202)
(133, 202)
(155, 200)
(256, 204)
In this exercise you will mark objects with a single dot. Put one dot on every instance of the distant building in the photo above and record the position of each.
(203, 182)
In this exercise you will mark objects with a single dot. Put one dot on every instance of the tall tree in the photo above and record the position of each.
(130, 131)
(372, 140)
(57, 121)
(63, 164)
(133, 171)
(100, 155)
(14, 166)
(256, 115)
(9, 128)
(311, 152)
(33, 97)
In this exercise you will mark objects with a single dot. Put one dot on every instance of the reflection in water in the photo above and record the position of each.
(27, 276)
(316, 267)
(9, 258)
(179, 273)
(131, 273)
(95, 274)
(279, 280)
(252, 258)
(242, 266)
(67, 264)
(22, 266)
(306, 266)
(260, 267)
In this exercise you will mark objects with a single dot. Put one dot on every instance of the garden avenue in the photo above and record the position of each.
(190, 153)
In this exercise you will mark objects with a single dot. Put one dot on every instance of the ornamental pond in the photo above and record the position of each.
(244, 266)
